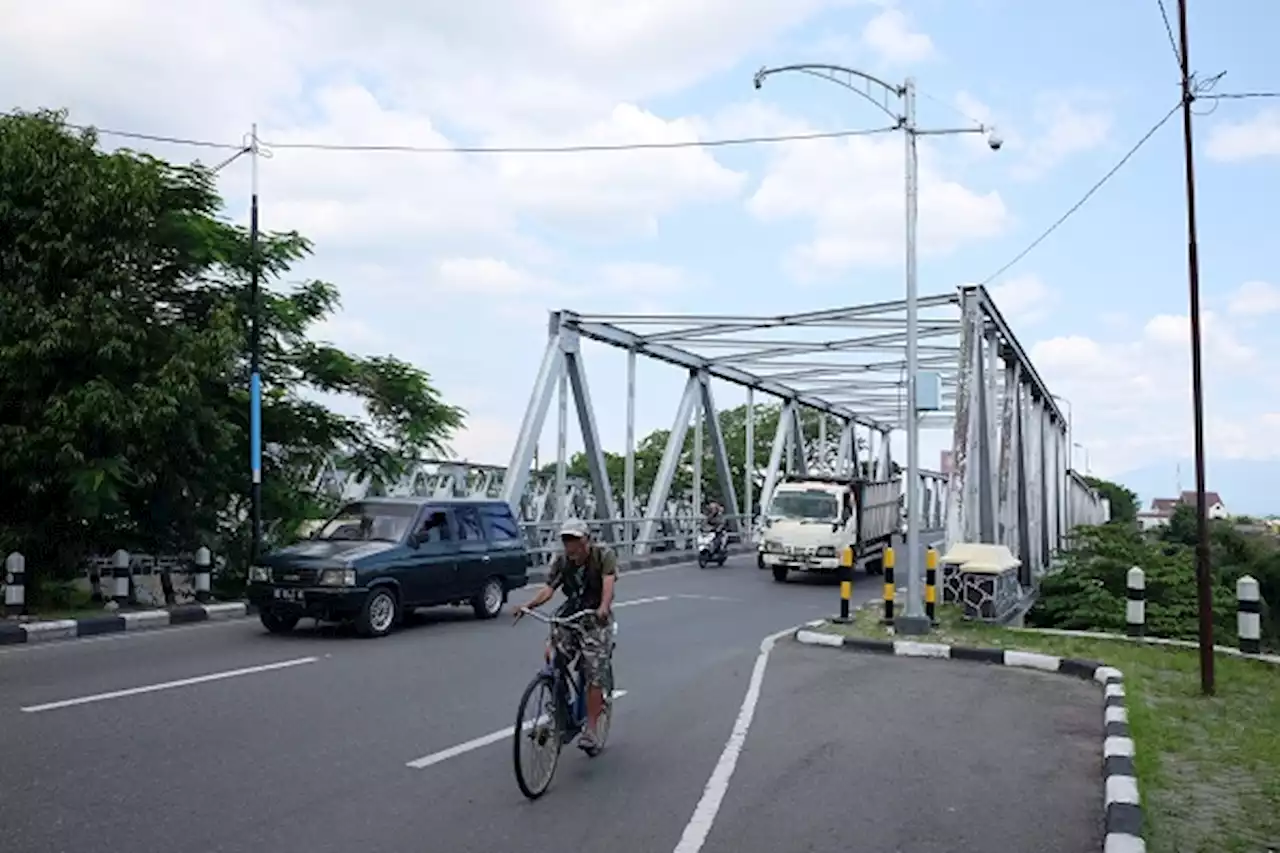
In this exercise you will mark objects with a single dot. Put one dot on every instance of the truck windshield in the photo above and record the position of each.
(369, 522)
(813, 505)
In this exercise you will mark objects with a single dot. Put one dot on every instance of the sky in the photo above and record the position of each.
(451, 261)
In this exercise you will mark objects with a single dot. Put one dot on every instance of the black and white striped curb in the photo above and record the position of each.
(1123, 827)
(15, 633)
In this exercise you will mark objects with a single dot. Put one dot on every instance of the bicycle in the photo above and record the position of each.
(560, 713)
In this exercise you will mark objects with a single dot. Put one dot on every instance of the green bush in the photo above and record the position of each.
(1089, 593)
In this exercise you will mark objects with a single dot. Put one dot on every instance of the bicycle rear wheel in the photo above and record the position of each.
(537, 733)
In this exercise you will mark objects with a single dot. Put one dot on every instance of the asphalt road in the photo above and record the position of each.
(223, 739)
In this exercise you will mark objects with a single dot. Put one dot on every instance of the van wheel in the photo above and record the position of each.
(378, 615)
(489, 600)
(277, 623)
(780, 574)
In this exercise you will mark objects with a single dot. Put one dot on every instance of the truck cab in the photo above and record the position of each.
(810, 520)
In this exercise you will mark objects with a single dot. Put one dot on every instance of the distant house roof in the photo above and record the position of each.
(1210, 498)
(1163, 506)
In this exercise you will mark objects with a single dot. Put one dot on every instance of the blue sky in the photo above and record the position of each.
(452, 261)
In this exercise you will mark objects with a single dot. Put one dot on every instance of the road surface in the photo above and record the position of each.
(224, 739)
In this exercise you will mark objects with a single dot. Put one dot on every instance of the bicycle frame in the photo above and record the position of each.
(565, 678)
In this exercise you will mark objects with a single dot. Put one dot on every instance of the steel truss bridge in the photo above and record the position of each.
(1009, 481)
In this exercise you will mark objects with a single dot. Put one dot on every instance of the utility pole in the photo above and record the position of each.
(1204, 577)
(255, 360)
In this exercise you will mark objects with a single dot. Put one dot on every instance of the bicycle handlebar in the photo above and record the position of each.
(571, 621)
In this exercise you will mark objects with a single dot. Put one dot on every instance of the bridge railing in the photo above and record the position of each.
(670, 533)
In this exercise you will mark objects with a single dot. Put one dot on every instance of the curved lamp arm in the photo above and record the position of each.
(846, 77)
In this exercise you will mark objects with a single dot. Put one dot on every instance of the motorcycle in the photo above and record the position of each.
(711, 549)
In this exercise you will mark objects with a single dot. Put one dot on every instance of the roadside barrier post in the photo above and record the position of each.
(15, 584)
(890, 587)
(931, 584)
(120, 577)
(1135, 605)
(1249, 615)
(204, 561)
(846, 582)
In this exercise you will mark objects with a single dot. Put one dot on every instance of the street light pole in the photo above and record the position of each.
(913, 620)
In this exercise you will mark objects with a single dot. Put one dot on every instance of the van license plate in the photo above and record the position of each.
(288, 595)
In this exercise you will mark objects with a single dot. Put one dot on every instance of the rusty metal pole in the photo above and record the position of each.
(1204, 569)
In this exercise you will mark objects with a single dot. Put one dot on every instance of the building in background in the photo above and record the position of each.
(1162, 509)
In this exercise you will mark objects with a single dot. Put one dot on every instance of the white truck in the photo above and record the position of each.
(810, 520)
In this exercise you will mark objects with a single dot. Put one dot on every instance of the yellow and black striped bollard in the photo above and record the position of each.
(930, 584)
(846, 583)
(890, 588)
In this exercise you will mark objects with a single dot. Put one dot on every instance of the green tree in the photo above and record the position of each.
(1124, 502)
(123, 367)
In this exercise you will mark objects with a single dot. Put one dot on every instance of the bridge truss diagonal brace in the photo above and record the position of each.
(720, 453)
(799, 452)
(669, 465)
(561, 359)
(786, 419)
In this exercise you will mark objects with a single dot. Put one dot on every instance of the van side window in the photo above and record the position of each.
(468, 524)
(499, 524)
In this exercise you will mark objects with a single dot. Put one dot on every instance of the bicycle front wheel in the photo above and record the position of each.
(537, 738)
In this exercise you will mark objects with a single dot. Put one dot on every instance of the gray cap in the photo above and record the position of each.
(575, 527)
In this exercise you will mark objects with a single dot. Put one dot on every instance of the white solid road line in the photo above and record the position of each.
(167, 685)
(699, 826)
(492, 737)
(651, 600)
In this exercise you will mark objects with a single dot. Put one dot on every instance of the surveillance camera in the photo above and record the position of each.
(995, 140)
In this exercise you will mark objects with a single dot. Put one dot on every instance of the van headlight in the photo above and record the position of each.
(338, 577)
(259, 574)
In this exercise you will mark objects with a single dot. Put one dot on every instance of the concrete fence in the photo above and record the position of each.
(123, 580)
(1248, 610)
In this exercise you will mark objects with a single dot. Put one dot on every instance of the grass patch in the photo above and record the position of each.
(1208, 768)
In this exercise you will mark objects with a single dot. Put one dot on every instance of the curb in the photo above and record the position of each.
(20, 633)
(1123, 822)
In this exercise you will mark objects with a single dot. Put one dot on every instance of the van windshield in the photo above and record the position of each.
(369, 522)
(814, 505)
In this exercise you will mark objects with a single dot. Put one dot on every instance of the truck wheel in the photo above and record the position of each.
(780, 574)
(277, 623)
(876, 566)
(378, 615)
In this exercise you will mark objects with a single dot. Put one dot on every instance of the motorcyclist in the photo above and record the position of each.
(715, 523)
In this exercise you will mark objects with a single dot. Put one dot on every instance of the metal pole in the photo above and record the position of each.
(698, 415)
(1204, 579)
(913, 620)
(822, 441)
(629, 469)
(749, 469)
(562, 439)
(255, 358)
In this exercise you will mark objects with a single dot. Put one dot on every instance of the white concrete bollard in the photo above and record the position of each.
(204, 563)
(1249, 615)
(15, 583)
(1135, 605)
(120, 577)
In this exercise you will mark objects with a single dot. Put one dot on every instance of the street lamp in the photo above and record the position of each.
(1087, 469)
(880, 94)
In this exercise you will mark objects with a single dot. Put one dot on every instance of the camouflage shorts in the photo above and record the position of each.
(596, 646)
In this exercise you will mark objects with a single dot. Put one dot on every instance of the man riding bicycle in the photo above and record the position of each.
(585, 572)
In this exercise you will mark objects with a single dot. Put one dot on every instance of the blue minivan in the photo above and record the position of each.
(379, 559)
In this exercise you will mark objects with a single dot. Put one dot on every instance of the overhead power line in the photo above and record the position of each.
(1168, 29)
(1085, 198)
(387, 148)
(1238, 96)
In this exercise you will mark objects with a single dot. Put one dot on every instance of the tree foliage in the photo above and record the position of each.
(1089, 592)
(733, 427)
(1124, 502)
(124, 310)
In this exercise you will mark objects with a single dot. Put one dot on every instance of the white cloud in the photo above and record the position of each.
(1132, 401)
(890, 35)
(1246, 140)
(1023, 300)
(1066, 126)
(1255, 298)
(852, 191)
